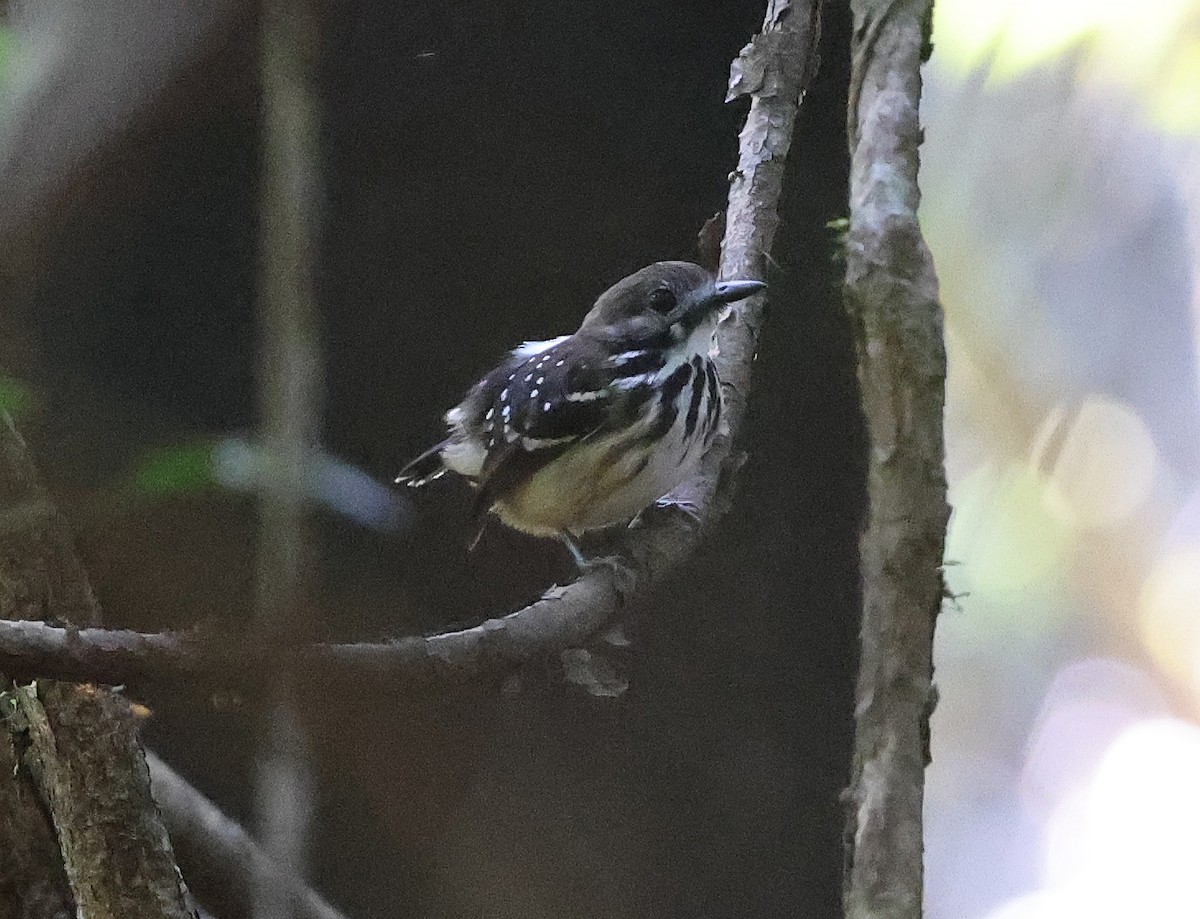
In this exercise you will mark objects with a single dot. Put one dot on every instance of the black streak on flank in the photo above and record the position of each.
(673, 385)
(668, 403)
(713, 413)
(693, 414)
(637, 470)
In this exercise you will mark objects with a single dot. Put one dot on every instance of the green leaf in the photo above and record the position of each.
(170, 470)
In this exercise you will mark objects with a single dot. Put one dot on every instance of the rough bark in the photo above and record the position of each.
(78, 743)
(892, 293)
(89, 767)
(32, 884)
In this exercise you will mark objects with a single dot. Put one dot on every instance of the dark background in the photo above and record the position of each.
(490, 168)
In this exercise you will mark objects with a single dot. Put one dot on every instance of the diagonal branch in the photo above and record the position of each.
(892, 292)
(773, 71)
(222, 860)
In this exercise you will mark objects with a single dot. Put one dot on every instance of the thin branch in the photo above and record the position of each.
(220, 858)
(892, 292)
(289, 397)
(773, 70)
(563, 618)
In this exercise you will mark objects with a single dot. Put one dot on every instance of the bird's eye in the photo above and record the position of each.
(662, 300)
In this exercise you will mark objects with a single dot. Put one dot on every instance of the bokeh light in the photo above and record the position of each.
(1105, 465)
(1062, 205)
(1170, 616)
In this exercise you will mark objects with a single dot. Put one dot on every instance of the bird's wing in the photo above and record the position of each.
(540, 405)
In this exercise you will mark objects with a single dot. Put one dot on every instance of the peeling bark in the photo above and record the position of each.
(32, 883)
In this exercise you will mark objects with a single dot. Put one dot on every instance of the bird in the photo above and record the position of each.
(585, 431)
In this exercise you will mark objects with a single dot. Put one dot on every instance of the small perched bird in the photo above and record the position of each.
(587, 430)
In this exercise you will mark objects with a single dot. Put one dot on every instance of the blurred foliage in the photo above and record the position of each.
(235, 464)
(15, 397)
(1062, 205)
(178, 469)
(1152, 47)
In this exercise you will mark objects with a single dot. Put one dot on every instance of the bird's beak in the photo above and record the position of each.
(732, 291)
(693, 312)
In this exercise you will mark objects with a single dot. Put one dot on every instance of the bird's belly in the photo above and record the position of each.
(604, 482)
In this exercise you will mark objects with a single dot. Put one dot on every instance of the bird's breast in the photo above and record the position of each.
(610, 478)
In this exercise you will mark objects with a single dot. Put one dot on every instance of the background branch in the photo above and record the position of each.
(289, 396)
(220, 858)
(892, 292)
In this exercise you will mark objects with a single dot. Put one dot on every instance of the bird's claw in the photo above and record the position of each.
(689, 509)
(612, 562)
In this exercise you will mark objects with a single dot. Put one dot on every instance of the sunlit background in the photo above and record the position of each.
(1062, 204)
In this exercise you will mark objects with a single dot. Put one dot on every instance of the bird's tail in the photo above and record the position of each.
(424, 469)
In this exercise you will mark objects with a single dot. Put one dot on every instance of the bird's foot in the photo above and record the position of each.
(689, 509)
(577, 556)
(582, 562)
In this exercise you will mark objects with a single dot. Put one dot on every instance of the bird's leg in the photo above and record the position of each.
(478, 535)
(577, 555)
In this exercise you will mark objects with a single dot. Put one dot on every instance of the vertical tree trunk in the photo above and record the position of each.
(75, 747)
(892, 293)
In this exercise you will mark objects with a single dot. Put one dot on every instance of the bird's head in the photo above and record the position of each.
(672, 298)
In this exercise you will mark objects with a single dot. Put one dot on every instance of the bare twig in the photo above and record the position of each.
(220, 858)
(563, 618)
(79, 744)
(290, 383)
(892, 292)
